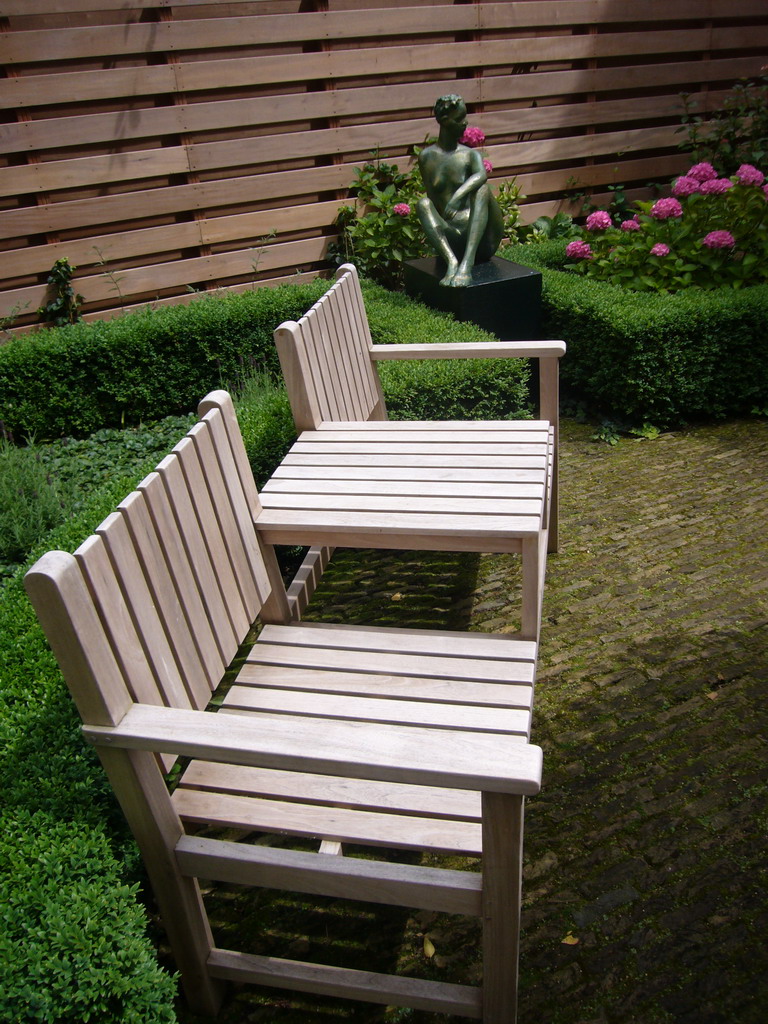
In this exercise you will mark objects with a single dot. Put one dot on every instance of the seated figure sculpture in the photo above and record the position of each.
(460, 217)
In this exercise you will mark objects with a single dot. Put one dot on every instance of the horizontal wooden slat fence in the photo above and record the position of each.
(167, 147)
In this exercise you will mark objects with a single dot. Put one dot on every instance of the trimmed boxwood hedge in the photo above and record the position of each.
(77, 379)
(661, 359)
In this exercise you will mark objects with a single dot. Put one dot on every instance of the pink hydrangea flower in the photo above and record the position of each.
(578, 250)
(702, 172)
(749, 175)
(765, 189)
(630, 225)
(488, 166)
(599, 220)
(402, 209)
(473, 137)
(660, 249)
(686, 186)
(719, 240)
(664, 208)
(715, 186)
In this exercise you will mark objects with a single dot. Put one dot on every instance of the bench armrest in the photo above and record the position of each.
(471, 350)
(456, 759)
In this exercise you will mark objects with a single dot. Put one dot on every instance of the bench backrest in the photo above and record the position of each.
(325, 358)
(154, 605)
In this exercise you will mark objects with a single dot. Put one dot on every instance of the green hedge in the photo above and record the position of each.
(73, 943)
(661, 359)
(68, 915)
(81, 378)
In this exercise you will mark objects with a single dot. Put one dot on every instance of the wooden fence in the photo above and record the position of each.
(167, 147)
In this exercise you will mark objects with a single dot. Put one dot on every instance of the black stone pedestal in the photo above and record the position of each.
(503, 298)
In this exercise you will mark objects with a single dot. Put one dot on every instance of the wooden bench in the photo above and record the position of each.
(378, 736)
(356, 479)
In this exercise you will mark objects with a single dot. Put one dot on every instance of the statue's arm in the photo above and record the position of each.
(475, 179)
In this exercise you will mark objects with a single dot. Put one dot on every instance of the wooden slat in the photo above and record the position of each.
(300, 787)
(448, 643)
(165, 592)
(403, 687)
(373, 709)
(397, 831)
(160, 37)
(453, 892)
(386, 662)
(439, 997)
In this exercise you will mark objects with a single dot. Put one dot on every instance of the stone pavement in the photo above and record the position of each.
(646, 858)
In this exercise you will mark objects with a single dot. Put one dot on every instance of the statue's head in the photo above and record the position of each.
(449, 107)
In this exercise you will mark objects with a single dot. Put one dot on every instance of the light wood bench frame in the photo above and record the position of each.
(375, 735)
(329, 364)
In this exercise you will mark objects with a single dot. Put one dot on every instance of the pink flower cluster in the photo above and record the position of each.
(630, 225)
(473, 137)
(402, 209)
(719, 240)
(715, 186)
(660, 249)
(578, 250)
(665, 208)
(686, 186)
(599, 220)
(488, 166)
(749, 175)
(702, 172)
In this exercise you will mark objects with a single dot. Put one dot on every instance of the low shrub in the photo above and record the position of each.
(73, 944)
(69, 917)
(77, 379)
(647, 357)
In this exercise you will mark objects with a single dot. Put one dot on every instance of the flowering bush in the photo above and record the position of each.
(381, 230)
(712, 232)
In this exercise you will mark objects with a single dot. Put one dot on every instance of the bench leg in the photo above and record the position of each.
(146, 803)
(534, 568)
(276, 608)
(502, 889)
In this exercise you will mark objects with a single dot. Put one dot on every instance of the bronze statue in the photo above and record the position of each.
(460, 217)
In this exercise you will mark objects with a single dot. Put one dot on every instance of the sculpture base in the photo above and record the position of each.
(503, 298)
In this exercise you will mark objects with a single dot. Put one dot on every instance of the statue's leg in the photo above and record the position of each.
(436, 230)
(478, 221)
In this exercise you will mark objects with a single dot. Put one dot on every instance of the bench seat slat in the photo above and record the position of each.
(376, 662)
(376, 504)
(293, 473)
(345, 825)
(304, 787)
(403, 688)
(458, 490)
(373, 709)
(421, 641)
(417, 460)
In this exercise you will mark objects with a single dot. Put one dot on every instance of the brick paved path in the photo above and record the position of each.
(647, 848)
